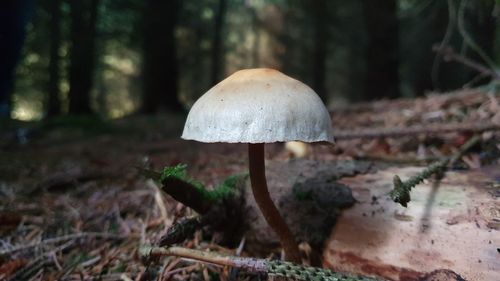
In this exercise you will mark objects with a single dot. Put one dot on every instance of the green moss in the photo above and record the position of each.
(225, 189)
(177, 171)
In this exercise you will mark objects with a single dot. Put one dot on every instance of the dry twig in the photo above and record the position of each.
(475, 127)
(450, 55)
(273, 268)
(401, 192)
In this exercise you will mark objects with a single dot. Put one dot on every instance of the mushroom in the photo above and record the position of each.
(297, 149)
(258, 106)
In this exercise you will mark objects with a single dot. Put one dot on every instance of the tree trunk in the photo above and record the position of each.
(422, 31)
(160, 69)
(320, 13)
(255, 60)
(217, 45)
(54, 103)
(82, 59)
(381, 23)
(14, 15)
(482, 27)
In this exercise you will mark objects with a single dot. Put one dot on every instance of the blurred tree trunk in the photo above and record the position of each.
(160, 69)
(82, 59)
(255, 60)
(217, 44)
(14, 15)
(54, 103)
(381, 24)
(482, 26)
(320, 14)
(422, 31)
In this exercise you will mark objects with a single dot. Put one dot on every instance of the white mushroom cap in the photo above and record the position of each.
(258, 106)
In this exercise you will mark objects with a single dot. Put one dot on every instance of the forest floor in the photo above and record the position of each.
(74, 207)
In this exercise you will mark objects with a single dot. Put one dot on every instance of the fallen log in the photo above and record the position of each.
(452, 225)
(343, 211)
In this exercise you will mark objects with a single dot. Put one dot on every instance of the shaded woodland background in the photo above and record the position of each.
(113, 58)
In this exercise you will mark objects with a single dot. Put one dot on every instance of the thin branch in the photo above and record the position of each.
(450, 55)
(274, 268)
(475, 127)
(468, 39)
(444, 42)
(401, 192)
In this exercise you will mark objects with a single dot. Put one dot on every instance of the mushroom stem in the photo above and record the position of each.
(266, 205)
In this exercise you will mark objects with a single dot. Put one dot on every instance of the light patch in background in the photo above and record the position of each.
(120, 84)
(26, 109)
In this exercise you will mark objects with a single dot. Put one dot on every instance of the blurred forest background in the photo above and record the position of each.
(113, 58)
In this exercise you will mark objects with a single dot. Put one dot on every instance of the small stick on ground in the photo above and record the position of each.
(401, 192)
(273, 268)
(474, 127)
(181, 230)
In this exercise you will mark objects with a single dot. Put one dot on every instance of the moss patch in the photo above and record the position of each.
(222, 191)
(227, 187)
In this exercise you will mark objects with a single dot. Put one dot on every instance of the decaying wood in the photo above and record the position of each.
(306, 193)
(375, 237)
(187, 194)
(453, 226)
